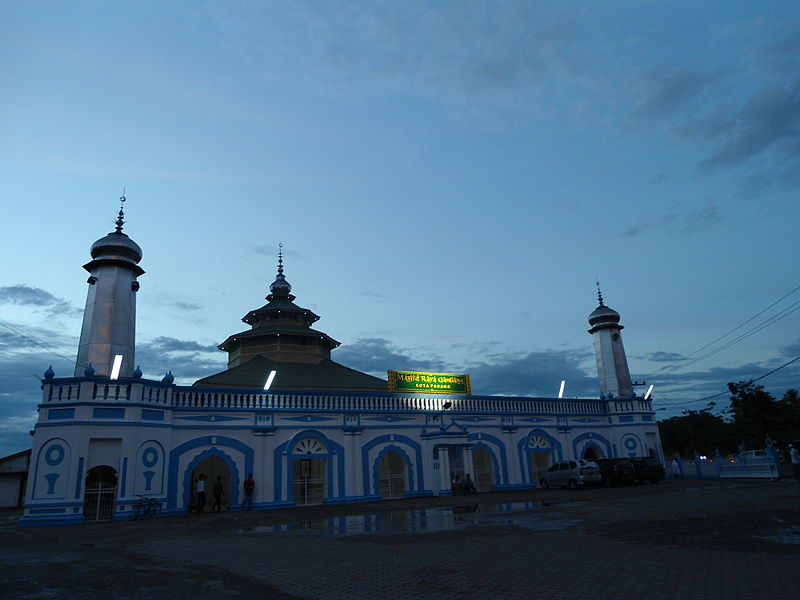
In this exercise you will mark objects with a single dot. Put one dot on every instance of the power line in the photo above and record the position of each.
(766, 323)
(36, 342)
(767, 374)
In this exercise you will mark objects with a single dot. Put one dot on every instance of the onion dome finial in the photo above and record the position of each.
(280, 288)
(49, 374)
(137, 373)
(89, 370)
(599, 293)
(121, 216)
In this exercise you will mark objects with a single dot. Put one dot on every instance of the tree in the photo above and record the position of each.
(756, 414)
(696, 431)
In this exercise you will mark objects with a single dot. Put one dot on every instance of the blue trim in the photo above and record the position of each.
(334, 452)
(79, 479)
(176, 453)
(409, 474)
(45, 520)
(386, 439)
(525, 458)
(351, 499)
(102, 412)
(501, 473)
(152, 415)
(61, 413)
(124, 477)
(595, 440)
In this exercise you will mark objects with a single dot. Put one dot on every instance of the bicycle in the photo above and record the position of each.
(145, 507)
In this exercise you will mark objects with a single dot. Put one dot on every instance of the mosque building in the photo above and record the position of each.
(308, 429)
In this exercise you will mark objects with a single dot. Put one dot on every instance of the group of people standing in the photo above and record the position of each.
(218, 491)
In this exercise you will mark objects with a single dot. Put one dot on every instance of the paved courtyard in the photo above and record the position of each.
(678, 539)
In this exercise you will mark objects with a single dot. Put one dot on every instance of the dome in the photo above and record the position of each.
(603, 314)
(117, 245)
(280, 287)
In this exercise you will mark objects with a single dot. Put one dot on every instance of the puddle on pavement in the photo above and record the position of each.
(789, 535)
(520, 514)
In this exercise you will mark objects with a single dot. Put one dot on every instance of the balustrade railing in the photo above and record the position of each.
(75, 390)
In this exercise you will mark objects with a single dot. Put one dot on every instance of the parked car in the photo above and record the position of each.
(648, 469)
(617, 471)
(572, 474)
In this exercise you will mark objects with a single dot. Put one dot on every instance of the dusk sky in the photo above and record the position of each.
(448, 180)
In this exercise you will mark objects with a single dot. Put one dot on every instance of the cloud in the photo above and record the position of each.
(658, 179)
(536, 374)
(769, 120)
(376, 355)
(530, 374)
(187, 359)
(25, 295)
(188, 305)
(691, 222)
(700, 220)
(664, 89)
(20, 393)
(515, 50)
(781, 57)
(668, 357)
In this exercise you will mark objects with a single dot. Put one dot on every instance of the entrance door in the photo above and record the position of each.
(392, 475)
(484, 473)
(590, 454)
(308, 483)
(101, 493)
(213, 467)
(540, 462)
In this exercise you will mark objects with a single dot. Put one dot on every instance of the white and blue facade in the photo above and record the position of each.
(101, 443)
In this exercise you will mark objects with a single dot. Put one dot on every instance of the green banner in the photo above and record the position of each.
(428, 383)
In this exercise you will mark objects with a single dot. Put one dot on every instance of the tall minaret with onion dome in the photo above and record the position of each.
(612, 364)
(109, 320)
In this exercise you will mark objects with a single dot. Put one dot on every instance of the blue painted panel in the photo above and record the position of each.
(647, 417)
(152, 415)
(212, 418)
(108, 413)
(61, 413)
(626, 419)
(308, 419)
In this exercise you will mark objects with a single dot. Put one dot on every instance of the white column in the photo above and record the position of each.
(444, 468)
(353, 466)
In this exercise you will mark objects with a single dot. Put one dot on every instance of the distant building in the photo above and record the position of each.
(321, 433)
(13, 479)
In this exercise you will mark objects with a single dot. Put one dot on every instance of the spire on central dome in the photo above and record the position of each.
(280, 288)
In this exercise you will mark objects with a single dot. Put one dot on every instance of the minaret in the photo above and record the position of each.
(109, 321)
(612, 365)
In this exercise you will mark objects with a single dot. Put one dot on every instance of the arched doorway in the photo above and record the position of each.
(309, 471)
(484, 471)
(590, 453)
(213, 467)
(392, 475)
(100, 494)
(541, 456)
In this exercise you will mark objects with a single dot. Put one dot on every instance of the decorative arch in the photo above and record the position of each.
(497, 452)
(375, 489)
(393, 440)
(213, 444)
(227, 459)
(537, 440)
(329, 449)
(594, 440)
